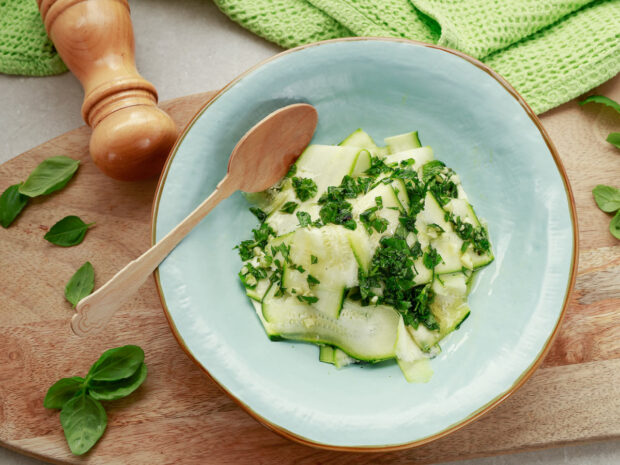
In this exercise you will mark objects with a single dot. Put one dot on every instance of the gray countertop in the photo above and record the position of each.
(186, 47)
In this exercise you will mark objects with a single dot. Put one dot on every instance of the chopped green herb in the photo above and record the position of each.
(431, 258)
(314, 259)
(292, 171)
(289, 207)
(261, 236)
(338, 212)
(308, 299)
(377, 167)
(304, 219)
(477, 237)
(251, 275)
(260, 214)
(432, 169)
(312, 280)
(305, 188)
(435, 227)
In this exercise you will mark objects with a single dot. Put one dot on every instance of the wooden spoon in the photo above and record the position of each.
(260, 159)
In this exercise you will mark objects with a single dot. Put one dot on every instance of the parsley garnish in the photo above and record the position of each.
(292, 171)
(377, 166)
(431, 258)
(432, 169)
(304, 219)
(312, 280)
(477, 237)
(305, 188)
(309, 299)
(261, 215)
(261, 236)
(392, 269)
(313, 259)
(289, 207)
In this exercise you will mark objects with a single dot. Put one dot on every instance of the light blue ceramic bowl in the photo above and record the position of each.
(475, 123)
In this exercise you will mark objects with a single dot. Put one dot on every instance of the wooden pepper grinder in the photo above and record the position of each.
(131, 136)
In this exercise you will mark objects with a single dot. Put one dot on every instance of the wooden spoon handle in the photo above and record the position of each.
(95, 310)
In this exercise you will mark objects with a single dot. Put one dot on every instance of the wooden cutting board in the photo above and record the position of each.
(180, 416)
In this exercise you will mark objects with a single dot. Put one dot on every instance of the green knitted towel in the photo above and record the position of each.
(550, 50)
(24, 45)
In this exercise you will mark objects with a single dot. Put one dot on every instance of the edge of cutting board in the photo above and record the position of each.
(573, 398)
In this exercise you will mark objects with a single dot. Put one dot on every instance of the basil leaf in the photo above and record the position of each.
(81, 284)
(113, 390)
(84, 420)
(614, 226)
(67, 232)
(601, 99)
(11, 204)
(62, 391)
(607, 198)
(614, 139)
(116, 364)
(51, 174)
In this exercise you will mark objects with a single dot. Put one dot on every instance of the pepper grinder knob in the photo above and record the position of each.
(131, 136)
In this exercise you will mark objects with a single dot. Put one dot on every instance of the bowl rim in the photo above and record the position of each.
(483, 409)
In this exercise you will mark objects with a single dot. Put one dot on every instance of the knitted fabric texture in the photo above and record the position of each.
(24, 45)
(550, 50)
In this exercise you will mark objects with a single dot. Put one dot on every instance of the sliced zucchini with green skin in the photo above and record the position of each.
(271, 333)
(342, 359)
(326, 165)
(259, 291)
(433, 228)
(402, 142)
(361, 164)
(423, 274)
(268, 200)
(400, 191)
(365, 333)
(359, 138)
(335, 356)
(335, 267)
(362, 243)
(414, 364)
(285, 223)
(420, 156)
(449, 306)
(424, 337)
(362, 140)
(463, 209)
(326, 354)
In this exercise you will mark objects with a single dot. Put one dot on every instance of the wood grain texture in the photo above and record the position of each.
(180, 416)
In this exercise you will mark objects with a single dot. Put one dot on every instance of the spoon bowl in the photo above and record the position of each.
(261, 158)
(265, 153)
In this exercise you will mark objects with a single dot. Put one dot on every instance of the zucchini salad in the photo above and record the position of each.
(366, 251)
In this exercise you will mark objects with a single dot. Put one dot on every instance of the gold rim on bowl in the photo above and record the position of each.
(489, 405)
